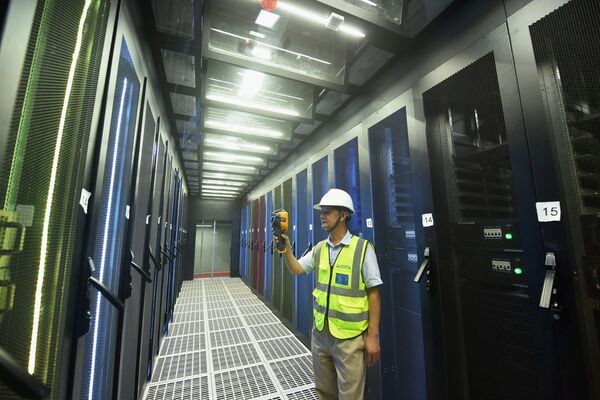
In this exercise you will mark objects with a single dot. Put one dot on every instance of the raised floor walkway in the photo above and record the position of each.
(225, 344)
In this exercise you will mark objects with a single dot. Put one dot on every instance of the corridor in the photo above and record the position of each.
(224, 343)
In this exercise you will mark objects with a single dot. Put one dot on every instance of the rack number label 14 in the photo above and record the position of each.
(427, 220)
(548, 211)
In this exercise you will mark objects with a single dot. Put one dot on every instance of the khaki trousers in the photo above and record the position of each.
(339, 365)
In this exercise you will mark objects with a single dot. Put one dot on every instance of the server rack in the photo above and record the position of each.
(268, 254)
(277, 261)
(243, 239)
(260, 276)
(491, 256)
(403, 370)
(41, 174)
(163, 323)
(320, 185)
(555, 46)
(303, 302)
(149, 259)
(287, 281)
(254, 244)
(347, 177)
(104, 251)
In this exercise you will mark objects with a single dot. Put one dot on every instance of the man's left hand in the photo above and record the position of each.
(372, 349)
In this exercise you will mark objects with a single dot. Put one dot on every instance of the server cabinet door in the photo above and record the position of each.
(277, 261)
(556, 47)
(347, 177)
(500, 343)
(269, 247)
(395, 236)
(303, 301)
(261, 247)
(287, 285)
(104, 242)
(320, 185)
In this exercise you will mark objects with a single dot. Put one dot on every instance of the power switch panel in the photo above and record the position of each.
(501, 266)
(492, 233)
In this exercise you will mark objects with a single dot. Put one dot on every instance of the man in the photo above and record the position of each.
(345, 335)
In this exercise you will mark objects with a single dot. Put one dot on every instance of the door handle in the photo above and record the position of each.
(106, 292)
(549, 298)
(424, 269)
(19, 380)
(140, 270)
(307, 250)
(154, 260)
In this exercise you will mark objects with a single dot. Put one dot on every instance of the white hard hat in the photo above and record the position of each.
(336, 198)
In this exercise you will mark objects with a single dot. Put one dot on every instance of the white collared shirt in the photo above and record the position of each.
(370, 269)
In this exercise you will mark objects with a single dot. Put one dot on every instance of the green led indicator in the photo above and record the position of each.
(518, 271)
(508, 236)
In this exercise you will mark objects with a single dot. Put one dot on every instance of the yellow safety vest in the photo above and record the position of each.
(340, 291)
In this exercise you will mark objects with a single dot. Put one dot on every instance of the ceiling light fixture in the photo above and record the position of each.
(222, 188)
(213, 191)
(251, 83)
(267, 19)
(231, 177)
(229, 168)
(234, 143)
(249, 104)
(369, 2)
(233, 157)
(314, 17)
(243, 129)
(224, 183)
(299, 55)
(253, 33)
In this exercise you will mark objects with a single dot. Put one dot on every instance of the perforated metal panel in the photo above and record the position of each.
(304, 394)
(240, 353)
(179, 366)
(188, 389)
(294, 372)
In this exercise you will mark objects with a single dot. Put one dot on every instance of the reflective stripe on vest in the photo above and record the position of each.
(348, 313)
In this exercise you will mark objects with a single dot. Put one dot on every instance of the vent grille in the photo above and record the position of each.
(229, 337)
(235, 356)
(260, 319)
(188, 389)
(186, 328)
(182, 344)
(271, 331)
(294, 373)
(225, 323)
(281, 348)
(254, 309)
(222, 313)
(179, 366)
(246, 383)
(179, 317)
(305, 394)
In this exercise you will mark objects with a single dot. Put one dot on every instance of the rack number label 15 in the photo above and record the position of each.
(548, 211)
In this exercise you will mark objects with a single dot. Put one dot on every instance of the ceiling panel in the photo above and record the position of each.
(175, 17)
(226, 142)
(284, 41)
(252, 91)
(183, 104)
(331, 102)
(368, 64)
(179, 68)
(247, 125)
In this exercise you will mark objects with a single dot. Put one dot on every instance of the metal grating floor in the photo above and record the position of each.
(225, 344)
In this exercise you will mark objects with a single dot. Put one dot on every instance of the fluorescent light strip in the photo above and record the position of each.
(369, 2)
(224, 183)
(220, 175)
(228, 167)
(221, 188)
(243, 129)
(270, 46)
(314, 17)
(264, 90)
(257, 34)
(213, 191)
(249, 104)
(233, 143)
(231, 157)
(220, 196)
(37, 307)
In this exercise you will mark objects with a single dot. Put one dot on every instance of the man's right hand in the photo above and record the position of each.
(286, 240)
